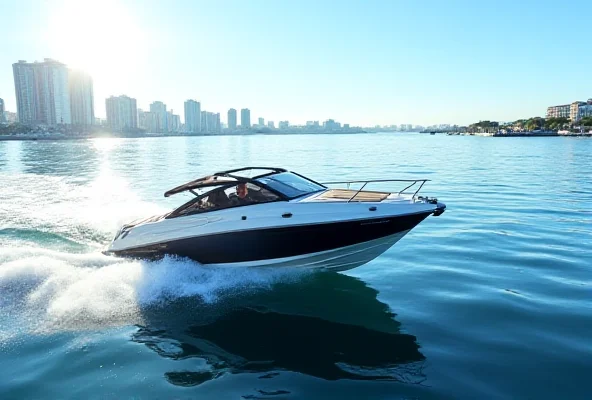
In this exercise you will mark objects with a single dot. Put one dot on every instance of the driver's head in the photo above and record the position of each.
(241, 190)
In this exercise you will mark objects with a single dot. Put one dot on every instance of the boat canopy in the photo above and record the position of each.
(230, 177)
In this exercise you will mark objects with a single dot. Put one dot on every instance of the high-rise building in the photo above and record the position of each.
(147, 120)
(204, 121)
(192, 116)
(283, 125)
(232, 118)
(122, 113)
(245, 118)
(210, 122)
(2, 117)
(217, 127)
(82, 105)
(261, 122)
(42, 94)
(159, 108)
(270, 124)
(173, 121)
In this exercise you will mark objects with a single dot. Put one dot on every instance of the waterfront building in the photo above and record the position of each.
(584, 110)
(283, 125)
(218, 126)
(82, 106)
(148, 121)
(261, 122)
(192, 116)
(580, 109)
(204, 121)
(173, 122)
(330, 124)
(232, 118)
(122, 113)
(562, 111)
(159, 108)
(245, 118)
(270, 124)
(42, 95)
(2, 110)
(210, 122)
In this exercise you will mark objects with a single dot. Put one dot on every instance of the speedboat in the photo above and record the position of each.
(272, 217)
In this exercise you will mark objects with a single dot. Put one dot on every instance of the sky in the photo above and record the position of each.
(359, 62)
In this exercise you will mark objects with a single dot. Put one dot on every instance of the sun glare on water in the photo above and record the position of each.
(97, 36)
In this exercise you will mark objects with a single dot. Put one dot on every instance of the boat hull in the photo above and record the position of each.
(335, 245)
(340, 259)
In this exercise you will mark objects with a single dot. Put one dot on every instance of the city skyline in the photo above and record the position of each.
(380, 63)
(50, 93)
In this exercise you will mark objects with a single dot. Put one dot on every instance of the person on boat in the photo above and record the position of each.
(245, 197)
(242, 191)
(241, 196)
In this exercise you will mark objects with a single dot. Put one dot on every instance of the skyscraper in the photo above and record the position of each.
(245, 118)
(42, 95)
(192, 116)
(261, 122)
(204, 121)
(2, 118)
(173, 122)
(217, 127)
(147, 120)
(81, 98)
(232, 118)
(159, 108)
(122, 113)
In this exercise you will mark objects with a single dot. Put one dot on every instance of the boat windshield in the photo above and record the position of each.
(290, 185)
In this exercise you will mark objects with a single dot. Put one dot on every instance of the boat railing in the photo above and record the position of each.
(406, 190)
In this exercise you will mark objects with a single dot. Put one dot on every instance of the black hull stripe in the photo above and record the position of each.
(280, 242)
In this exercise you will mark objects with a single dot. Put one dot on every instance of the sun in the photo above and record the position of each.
(97, 36)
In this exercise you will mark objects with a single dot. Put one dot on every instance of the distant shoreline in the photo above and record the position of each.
(58, 137)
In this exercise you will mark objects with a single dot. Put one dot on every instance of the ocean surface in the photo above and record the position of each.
(491, 300)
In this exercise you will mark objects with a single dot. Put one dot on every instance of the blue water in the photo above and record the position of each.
(492, 299)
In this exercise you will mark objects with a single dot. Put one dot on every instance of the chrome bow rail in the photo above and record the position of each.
(366, 182)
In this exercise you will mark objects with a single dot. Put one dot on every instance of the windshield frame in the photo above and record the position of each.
(289, 195)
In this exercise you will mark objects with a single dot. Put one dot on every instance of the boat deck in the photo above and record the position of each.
(351, 195)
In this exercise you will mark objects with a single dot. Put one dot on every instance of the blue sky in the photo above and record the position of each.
(359, 62)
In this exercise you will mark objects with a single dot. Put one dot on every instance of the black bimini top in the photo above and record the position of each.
(224, 177)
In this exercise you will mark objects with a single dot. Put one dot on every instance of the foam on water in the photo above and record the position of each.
(62, 282)
(48, 291)
(88, 213)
